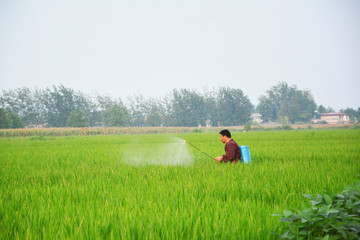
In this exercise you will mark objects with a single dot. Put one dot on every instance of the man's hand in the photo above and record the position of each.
(218, 159)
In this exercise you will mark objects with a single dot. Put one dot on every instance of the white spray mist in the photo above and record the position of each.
(171, 153)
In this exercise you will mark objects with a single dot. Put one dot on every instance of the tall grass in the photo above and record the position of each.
(83, 188)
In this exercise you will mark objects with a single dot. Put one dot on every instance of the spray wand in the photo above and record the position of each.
(199, 149)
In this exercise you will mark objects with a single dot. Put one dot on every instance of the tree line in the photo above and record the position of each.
(60, 106)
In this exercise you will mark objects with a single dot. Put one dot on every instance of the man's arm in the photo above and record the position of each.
(219, 159)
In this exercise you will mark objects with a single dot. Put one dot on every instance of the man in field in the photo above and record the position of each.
(232, 150)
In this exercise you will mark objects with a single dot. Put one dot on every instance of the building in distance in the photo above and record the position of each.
(333, 118)
(256, 118)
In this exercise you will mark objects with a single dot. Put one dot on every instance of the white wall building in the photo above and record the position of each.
(256, 117)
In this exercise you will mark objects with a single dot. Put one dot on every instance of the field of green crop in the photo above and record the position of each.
(156, 187)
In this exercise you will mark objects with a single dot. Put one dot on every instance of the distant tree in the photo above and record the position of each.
(26, 104)
(8, 119)
(282, 100)
(146, 112)
(302, 106)
(234, 108)
(187, 108)
(284, 121)
(4, 121)
(168, 113)
(78, 119)
(353, 113)
(103, 105)
(15, 120)
(155, 113)
(137, 108)
(111, 112)
(350, 111)
(50, 106)
(61, 101)
(330, 109)
(116, 116)
(322, 109)
(211, 107)
(267, 109)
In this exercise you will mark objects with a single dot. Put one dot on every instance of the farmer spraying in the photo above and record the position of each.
(232, 150)
(233, 153)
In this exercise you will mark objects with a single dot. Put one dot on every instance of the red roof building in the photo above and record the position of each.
(334, 118)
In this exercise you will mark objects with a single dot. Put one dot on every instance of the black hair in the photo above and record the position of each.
(225, 132)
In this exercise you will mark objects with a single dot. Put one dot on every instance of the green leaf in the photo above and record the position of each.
(315, 209)
(349, 204)
(332, 211)
(305, 216)
(319, 198)
(293, 229)
(354, 224)
(354, 229)
(287, 213)
(328, 199)
(324, 208)
(277, 215)
(334, 237)
(338, 225)
(326, 237)
(303, 220)
(315, 202)
(293, 217)
(341, 196)
(284, 220)
(309, 196)
(343, 233)
(285, 235)
(274, 233)
(315, 219)
(352, 235)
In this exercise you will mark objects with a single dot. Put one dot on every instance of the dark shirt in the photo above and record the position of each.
(232, 152)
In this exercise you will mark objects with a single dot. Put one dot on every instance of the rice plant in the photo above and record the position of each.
(88, 187)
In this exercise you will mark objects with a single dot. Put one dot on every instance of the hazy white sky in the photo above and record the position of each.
(151, 47)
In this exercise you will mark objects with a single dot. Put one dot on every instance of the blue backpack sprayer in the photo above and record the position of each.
(244, 150)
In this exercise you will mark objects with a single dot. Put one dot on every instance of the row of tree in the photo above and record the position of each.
(9, 119)
(60, 107)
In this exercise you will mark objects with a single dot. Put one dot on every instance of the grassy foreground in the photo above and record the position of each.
(86, 187)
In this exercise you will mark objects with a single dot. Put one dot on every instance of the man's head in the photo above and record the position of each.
(225, 135)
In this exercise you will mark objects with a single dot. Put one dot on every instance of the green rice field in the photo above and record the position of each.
(155, 186)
